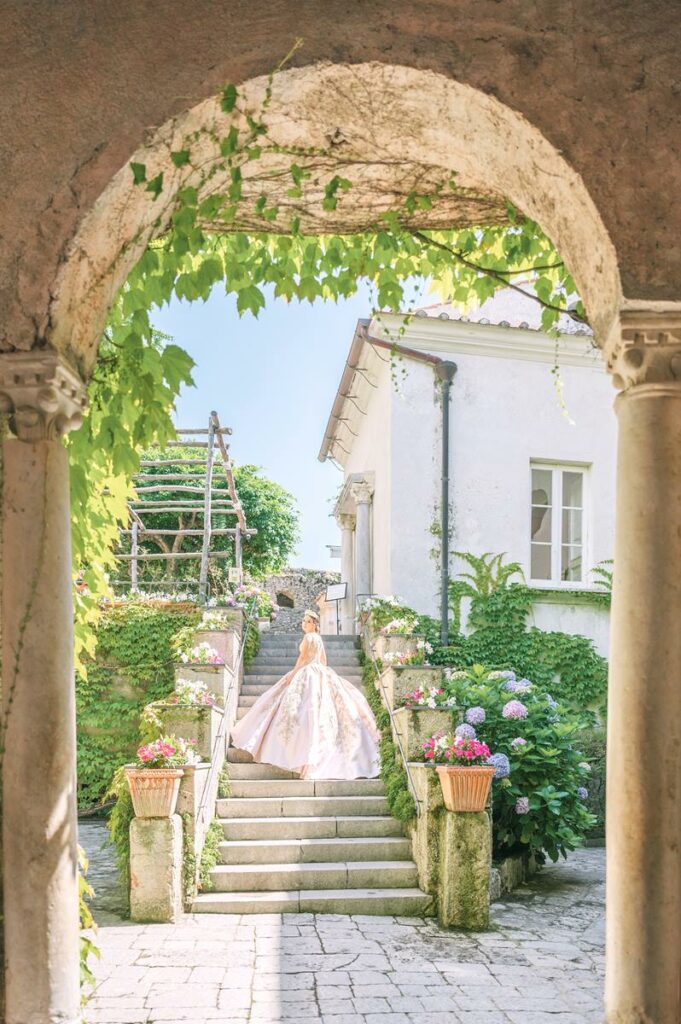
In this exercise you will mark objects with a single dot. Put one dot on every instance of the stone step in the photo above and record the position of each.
(311, 827)
(251, 770)
(269, 877)
(273, 677)
(299, 806)
(254, 788)
(398, 902)
(293, 851)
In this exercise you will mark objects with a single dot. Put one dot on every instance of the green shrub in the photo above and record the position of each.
(547, 770)
(210, 855)
(252, 643)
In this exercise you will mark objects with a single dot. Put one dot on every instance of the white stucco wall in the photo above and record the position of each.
(585, 620)
(505, 413)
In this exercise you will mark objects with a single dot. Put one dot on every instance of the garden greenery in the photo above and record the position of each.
(540, 805)
(139, 372)
(133, 667)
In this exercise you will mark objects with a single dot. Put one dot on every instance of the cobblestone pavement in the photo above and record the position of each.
(541, 964)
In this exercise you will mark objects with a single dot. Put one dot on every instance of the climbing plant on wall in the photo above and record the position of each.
(133, 666)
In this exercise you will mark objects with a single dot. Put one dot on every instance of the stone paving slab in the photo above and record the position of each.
(541, 964)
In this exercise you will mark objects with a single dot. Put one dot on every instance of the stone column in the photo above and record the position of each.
(644, 708)
(44, 399)
(347, 526)
(362, 492)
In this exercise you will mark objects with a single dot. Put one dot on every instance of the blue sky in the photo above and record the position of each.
(273, 380)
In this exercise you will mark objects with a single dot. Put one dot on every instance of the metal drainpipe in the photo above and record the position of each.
(445, 371)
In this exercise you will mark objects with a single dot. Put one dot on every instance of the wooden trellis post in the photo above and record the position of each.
(207, 512)
(198, 480)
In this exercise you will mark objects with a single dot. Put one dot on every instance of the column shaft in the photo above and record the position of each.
(347, 575)
(363, 551)
(39, 781)
(644, 714)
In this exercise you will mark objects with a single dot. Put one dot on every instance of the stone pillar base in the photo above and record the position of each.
(156, 869)
(465, 863)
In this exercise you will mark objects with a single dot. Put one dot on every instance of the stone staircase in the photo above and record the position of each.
(296, 846)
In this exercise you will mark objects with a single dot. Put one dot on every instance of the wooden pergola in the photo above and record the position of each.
(203, 498)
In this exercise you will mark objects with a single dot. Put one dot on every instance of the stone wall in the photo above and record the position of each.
(302, 587)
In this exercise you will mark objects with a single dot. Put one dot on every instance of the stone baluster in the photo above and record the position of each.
(644, 708)
(362, 493)
(44, 398)
(347, 527)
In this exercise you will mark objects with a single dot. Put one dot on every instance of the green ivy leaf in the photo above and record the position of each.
(180, 157)
(229, 98)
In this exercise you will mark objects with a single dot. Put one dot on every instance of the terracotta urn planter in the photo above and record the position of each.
(154, 790)
(465, 789)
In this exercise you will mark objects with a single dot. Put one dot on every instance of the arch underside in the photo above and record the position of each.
(391, 131)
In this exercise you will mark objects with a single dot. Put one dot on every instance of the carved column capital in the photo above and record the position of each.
(42, 395)
(649, 351)
(345, 521)
(362, 492)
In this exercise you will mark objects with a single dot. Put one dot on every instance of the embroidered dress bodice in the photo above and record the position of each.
(312, 721)
(312, 650)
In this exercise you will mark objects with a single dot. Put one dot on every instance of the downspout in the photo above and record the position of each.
(445, 371)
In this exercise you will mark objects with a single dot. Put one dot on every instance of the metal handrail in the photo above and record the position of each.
(396, 735)
(220, 735)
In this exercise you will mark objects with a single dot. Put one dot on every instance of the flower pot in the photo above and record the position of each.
(465, 789)
(154, 790)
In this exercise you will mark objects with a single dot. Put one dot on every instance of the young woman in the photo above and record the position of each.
(312, 721)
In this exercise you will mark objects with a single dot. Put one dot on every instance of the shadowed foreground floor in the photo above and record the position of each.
(542, 963)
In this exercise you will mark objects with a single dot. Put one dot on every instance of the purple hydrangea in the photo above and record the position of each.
(522, 805)
(476, 716)
(465, 732)
(518, 742)
(518, 685)
(505, 673)
(582, 793)
(553, 704)
(501, 764)
(514, 709)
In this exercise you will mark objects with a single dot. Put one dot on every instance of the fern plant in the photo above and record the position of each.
(492, 589)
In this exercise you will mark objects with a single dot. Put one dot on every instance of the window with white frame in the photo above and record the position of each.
(557, 523)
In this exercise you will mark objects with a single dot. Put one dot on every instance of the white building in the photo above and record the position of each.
(531, 460)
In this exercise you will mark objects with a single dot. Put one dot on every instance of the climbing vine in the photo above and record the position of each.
(139, 372)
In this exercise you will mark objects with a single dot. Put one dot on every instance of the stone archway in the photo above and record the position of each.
(409, 127)
(411, 121)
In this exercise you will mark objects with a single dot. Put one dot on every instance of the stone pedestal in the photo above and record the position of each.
(395, 683)
(394, 643)
(198, 724)
(414, 727)
(156, 869)
(224, 641)
(465, 864)
(218, 678)
(425, 829)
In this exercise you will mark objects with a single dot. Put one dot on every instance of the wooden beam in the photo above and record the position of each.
(173, 462)
(229, 531)
(188, 489)
(187, 503)
(172, 554)
(203, 430)
(195, 511)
